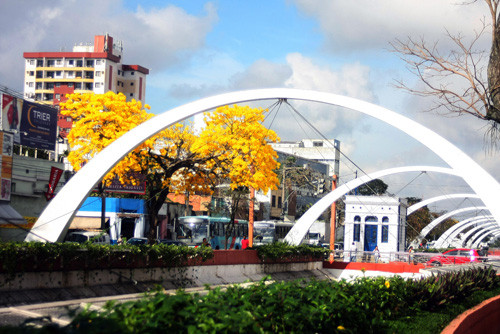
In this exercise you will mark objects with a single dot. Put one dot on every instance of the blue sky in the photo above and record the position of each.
(196, 49)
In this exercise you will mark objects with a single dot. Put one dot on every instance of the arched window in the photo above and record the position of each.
(385, 219)
(371, 219)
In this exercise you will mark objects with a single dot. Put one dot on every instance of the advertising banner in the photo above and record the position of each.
(55, 175)
(11, 115)
(117, 187)
(38, 126)
(6, 143)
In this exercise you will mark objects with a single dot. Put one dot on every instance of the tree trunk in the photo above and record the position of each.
(493, 112)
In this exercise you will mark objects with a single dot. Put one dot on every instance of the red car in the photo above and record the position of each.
(455, 256)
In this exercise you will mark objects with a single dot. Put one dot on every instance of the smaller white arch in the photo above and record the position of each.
(476, 231)
(299, 230)
(454, 230)
(442, 218)
(423, 203)
(481, 237)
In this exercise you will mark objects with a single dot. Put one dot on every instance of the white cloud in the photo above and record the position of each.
(156, 38)
(364, 24)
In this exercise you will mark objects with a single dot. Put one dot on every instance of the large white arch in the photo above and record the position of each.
(454, 230)
(55, 219)
(299, 230)
(447, 215)
(474, 232)
(423, 203)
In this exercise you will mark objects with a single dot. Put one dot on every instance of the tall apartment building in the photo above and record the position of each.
(88, 68)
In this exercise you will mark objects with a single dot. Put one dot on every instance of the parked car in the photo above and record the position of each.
(455, 256)
(137, 241)
(172, 242)
(92, 236)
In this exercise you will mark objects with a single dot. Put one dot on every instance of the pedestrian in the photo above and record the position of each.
(205, 243)
(410, 254)
(376, 254)
(353, 252)
(245, 242)
(120, 240)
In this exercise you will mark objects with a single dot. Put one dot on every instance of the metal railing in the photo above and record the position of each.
(428, 259)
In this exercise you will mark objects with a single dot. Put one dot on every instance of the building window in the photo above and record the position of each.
(385, 234)
(98, 62)
(273, 201)
(31, 62)
(371, 219)
(39, 85)
(70, 84)
(31, 84)
(357, 232)
(131, 94)
(131, 84)
(71, 62)
(317, 143)
(98, 73)
(59, 62)
(58, 96)
(50, 63)
(279, 202)
(132, 73)
(90, 63)
(39, 63)
(97, 85)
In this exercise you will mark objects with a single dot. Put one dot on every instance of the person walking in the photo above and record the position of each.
(376, 254)
(245, 242)
(353, 252)
(410, 255)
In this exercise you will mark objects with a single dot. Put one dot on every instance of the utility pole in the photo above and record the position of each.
(333, 216)
(250, 217)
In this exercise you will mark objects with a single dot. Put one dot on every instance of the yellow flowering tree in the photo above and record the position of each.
(233, 146)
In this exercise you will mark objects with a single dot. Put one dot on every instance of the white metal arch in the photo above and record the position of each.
(454, 230)
(470, 236)
(55, 219)
(423, 203)
(447, 215)
(299, 230)
(481, 237)
(479, 240)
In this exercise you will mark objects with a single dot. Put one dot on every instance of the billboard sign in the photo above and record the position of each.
(34, 125)
(38, 126)
(6, 143)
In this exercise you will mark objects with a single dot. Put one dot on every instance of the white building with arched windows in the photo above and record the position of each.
(374, 221)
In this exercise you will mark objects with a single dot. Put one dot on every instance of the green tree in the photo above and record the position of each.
(375, 187)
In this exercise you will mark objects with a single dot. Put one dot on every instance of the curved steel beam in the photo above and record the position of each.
(480, 238)
(423, 203)
(299, 230)
(55, 219)
(476, 231)
(454, 230)
(447, 215)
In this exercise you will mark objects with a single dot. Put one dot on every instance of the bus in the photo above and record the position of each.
(269, 231)
(192, 229)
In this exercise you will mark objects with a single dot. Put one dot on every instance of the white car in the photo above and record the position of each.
(84, 236)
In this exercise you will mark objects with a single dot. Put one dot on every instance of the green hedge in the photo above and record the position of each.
(367, 305)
